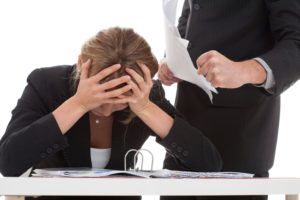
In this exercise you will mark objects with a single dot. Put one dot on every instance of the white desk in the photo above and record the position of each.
(14, 187)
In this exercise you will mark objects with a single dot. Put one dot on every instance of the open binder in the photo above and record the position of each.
(135, 172)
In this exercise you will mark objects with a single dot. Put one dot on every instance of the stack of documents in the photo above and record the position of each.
(164, 173)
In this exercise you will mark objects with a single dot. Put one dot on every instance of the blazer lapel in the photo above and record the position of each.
(118, 145)
(78, 152)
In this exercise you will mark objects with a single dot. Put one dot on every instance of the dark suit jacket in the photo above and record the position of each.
(33, 137)
(243, 122)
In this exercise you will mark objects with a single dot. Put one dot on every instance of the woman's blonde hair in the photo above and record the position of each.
(117, 46)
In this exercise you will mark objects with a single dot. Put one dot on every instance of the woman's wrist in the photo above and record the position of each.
(156, 119)
(144, 108)
(77, 105)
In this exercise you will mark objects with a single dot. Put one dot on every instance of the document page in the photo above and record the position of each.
(178, 58)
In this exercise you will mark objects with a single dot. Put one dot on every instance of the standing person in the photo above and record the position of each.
(92, 113)
(250, 51)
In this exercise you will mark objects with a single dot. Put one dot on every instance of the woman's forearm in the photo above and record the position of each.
(156, 119)
(67, 114)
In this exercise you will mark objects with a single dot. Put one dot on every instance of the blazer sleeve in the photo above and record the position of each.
(191, 149)
(183, 19)
(284, 58)
(32, 133)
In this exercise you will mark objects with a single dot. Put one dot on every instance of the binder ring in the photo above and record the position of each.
(135, 159)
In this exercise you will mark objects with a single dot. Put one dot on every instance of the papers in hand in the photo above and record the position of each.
(178, 58)
(96, 173)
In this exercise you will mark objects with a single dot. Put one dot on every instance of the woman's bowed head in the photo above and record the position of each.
(115, 69)
(103, 96)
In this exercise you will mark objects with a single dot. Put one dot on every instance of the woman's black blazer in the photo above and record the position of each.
(33, 138)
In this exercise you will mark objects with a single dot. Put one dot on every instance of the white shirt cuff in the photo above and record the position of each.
(269, 84)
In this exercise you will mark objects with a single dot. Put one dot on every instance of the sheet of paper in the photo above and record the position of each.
(178, 58)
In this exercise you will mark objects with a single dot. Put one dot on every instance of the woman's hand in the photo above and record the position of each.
(152, 115)
(91, 94)
(139, 100)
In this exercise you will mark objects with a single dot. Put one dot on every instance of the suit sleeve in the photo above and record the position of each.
(185, 143)
(284, 58)
(32, 133)
(183, 19)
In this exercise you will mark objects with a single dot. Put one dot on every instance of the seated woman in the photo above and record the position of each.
(92, 113)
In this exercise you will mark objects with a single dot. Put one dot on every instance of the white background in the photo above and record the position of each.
(38, 33)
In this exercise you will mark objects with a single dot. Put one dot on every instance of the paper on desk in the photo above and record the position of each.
(164, 173)
(87, 172)
(178, 58)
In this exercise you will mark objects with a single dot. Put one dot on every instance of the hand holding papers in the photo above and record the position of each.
(177, 56)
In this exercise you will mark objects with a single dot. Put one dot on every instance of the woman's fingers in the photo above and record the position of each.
(140, 81)
(120, 100)
(136, 90)
(135, 75)
(117, 92)
(146, 71)
(115, 82)
(104, 73)
(85, 69)
(122, 96)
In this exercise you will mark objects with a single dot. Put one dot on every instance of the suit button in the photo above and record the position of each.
(196, 6)
(185, 153)
(43, 155)
(173, 144)
(49, 150)
(179, 149)
(189, 45)
(55, 146)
